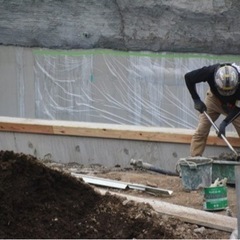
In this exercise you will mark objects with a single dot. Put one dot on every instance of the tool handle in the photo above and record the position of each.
(222, 136)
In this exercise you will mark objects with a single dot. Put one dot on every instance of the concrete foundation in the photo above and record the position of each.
(107, 152)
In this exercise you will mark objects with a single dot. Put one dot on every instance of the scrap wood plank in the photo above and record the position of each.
(186, 214)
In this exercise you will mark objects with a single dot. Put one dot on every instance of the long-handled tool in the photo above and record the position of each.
(222, 136)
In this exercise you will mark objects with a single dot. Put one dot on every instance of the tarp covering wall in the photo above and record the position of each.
(103, 86)
(106, 86)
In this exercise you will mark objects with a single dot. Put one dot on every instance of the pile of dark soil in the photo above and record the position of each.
(39, 202)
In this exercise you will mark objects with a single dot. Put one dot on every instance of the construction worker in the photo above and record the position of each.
(223, 97)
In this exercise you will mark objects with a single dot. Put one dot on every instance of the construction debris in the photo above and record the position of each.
(219, 183)
(121, 185)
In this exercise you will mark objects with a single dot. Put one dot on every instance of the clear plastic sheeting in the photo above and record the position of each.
(146, 89)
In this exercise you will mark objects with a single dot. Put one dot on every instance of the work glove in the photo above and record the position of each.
(199, 105)
(222, 128)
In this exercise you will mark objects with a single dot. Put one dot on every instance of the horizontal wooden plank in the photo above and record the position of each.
(114, 131)
(137, 134)
(26, 127)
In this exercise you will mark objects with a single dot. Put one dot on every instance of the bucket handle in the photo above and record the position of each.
(192, 165)
(187, 161)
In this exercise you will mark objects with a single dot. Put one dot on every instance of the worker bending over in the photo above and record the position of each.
(222, 97)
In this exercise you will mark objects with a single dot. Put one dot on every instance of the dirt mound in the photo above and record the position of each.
(39, 202)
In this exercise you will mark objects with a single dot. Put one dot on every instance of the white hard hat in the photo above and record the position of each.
(226, 80)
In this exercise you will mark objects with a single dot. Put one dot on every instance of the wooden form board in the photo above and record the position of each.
(114, 131)
(186, 214)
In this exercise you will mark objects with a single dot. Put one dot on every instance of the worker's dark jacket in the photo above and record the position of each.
(206, 74)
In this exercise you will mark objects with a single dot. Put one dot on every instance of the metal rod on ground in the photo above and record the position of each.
(222, 136)
(237, 176)
(141, 164)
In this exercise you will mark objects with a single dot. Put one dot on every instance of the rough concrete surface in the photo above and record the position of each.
(173, 25)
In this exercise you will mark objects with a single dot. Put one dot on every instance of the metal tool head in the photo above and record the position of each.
(230, 156)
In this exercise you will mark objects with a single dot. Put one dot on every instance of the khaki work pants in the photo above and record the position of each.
(214, 110)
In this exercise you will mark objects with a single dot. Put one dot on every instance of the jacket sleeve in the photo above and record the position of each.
(232, 115)
(199, 75)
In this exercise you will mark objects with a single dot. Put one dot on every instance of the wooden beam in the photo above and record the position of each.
(114, 131)
(186, 214)
(26, 128)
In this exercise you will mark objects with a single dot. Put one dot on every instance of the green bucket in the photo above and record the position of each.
(215, 198)
(224, 168)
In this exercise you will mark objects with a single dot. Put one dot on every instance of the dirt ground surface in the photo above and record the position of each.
(40, 199)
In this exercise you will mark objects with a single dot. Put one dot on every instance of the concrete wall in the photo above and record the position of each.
(17, 94)
(21, 96)
(106, 152)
